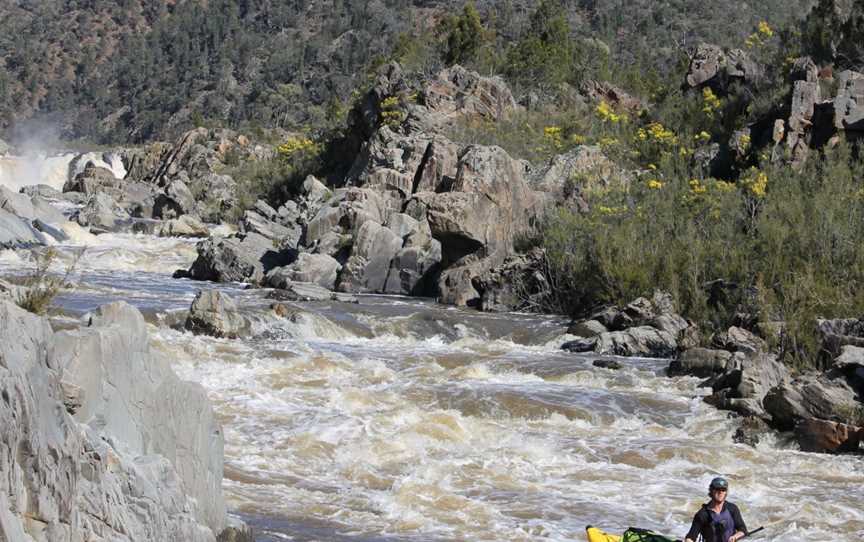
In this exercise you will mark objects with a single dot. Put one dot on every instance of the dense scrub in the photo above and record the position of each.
(140, 70)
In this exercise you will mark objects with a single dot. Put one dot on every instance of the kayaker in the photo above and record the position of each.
(718, 520)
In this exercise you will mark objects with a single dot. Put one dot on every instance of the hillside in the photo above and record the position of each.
(139, 70)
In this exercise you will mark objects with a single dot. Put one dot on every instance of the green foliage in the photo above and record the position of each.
(545, 53)
(464, 36)
(821, 30)
(790, 236)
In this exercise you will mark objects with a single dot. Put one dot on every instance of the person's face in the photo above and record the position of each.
(718, 494)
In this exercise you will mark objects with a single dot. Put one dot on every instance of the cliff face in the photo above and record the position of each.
(99, 438)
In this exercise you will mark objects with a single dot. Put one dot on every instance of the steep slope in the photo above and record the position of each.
(140, 70)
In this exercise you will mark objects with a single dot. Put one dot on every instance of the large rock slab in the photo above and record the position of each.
(642, 341)
(825, 436)
(102, 213)
(16, 232)
(185, 226)
(746, 382)
(176, 200)
(281, 236)
(367, 268)
(346, 211)
(701, 362)
(415, 266)
(140, 458)
(30, 208)
(319, 269)
(812, 396)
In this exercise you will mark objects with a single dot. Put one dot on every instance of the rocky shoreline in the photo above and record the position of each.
(100, 437)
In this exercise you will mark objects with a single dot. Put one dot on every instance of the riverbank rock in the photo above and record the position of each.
(644, 327)
(16, 232)
(99, 439)
(319, 269)
(701, 362)
(815, 435)
(746, 382)
(214, 313)
(198, 160)
(375, 247)
(825, 411)
(185, 226)
(304, 291)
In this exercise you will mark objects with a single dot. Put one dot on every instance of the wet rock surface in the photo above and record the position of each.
(214, 313)
(99, 438)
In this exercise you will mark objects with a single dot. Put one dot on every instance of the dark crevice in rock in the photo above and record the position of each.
(421, 169)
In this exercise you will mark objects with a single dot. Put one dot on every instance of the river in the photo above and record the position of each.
(401, 419)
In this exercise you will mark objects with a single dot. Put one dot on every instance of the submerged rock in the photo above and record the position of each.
(299, 291)
(214, 313)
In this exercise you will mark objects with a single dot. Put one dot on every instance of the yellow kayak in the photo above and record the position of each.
(596, 535)
(630, 535)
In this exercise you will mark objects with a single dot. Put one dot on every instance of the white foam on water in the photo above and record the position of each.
(421, 430)
(111, 161)
(17, 172)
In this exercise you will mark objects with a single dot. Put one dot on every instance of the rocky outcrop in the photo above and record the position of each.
(189, 172)
(645, 328)
(176, 200)
(825, 411)
(102, 214)
(518, 284)
(239, 258)
(459, 93)
(603, 91)
(214, 313)
(375, 247)
(99, 439)
(185, 226)
(92, 179)
(717, 67)
(745, 382)
(319, 269)
(578, 173)
(849, 102)
(16, 232)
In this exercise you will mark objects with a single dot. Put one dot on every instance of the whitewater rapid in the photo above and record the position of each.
(400, 419)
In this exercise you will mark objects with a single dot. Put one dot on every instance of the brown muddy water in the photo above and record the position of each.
(398, 419)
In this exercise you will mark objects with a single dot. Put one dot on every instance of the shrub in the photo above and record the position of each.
(40, 287)
(789, 241)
